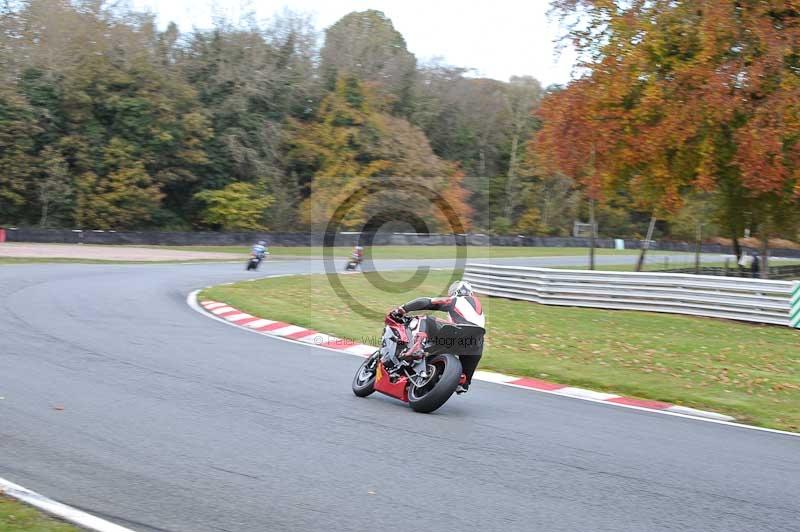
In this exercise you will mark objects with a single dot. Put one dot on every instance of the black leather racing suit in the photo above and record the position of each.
(462, 310)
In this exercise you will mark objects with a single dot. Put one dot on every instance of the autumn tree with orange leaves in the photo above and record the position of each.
(675, 96)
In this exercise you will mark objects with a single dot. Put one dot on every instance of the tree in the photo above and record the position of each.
(578, 139)
(365, 45)
(704, 95)
(550, 204)
(354, 142)
(522, 96)
(251, 83)
(17, 126)
(125, 197)
(237, 207)
(54, 186)
(101, 113)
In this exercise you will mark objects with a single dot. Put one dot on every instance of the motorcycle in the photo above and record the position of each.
(254, 261)
(352, 264)
(425, 384)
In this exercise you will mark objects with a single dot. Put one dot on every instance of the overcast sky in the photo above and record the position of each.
(499, 39)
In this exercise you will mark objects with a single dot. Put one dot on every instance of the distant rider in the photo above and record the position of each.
(462, 308)
(260, 250)
(358, 254)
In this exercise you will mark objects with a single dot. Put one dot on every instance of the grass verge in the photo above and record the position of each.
(749, 371)
(18, 517)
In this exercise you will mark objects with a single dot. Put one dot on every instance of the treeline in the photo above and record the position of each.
(108, 123)
(685, 113)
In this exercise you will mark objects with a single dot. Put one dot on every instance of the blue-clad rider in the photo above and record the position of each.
(260, 250)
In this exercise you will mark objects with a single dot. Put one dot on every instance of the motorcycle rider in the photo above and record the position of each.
(462, 308)
(260, 250)
(358, 254)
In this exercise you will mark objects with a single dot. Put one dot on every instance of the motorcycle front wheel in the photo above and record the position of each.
(364, 381)
(444, 373)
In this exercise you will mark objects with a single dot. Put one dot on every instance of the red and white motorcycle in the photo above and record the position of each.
(426, 383)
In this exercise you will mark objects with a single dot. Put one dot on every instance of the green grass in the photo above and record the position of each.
(17, 517)
(416, 252)
(749, 371)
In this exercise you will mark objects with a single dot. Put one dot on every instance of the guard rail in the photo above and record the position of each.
(753, 300)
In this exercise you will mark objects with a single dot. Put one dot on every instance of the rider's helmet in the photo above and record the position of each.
(359, 248)
(262, 243)
(460, 288)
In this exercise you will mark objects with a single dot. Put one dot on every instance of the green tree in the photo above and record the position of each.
(251, 83)
(366, 46)
(238, 206)
(55, 190)
(125, 197)
(17, 162)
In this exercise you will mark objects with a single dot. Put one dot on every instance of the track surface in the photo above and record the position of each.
(175, 422)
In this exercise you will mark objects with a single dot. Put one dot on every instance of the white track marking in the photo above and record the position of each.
(582, 393)
(490, 376)
(289, 329)
(222, 310)
(694, 412)
(361, 351)
(318, 339)
(239, 316)
(62, 511)
(258, 323)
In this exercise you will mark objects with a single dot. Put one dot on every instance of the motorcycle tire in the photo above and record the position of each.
(442, 385)
(363, 383)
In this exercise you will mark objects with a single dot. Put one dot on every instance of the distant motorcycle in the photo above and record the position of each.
(254, 261)
(352, 265)
(425, 384)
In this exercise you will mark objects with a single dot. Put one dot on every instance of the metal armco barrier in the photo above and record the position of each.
(753, 300)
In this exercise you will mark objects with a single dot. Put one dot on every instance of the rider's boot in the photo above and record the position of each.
(463, 385)
(417, 349)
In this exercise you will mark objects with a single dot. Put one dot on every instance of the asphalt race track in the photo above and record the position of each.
(174, 422)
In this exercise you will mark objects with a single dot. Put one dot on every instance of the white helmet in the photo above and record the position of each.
(460, 288)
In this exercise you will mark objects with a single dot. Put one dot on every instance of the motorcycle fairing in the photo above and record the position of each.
(383, 384)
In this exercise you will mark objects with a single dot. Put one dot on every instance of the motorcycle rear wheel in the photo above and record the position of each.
(364, 380)
(442, 384)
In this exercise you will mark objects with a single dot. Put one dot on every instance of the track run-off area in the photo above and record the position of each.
(121, 401)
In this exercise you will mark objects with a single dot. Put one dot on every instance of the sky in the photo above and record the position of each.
(499, 39)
